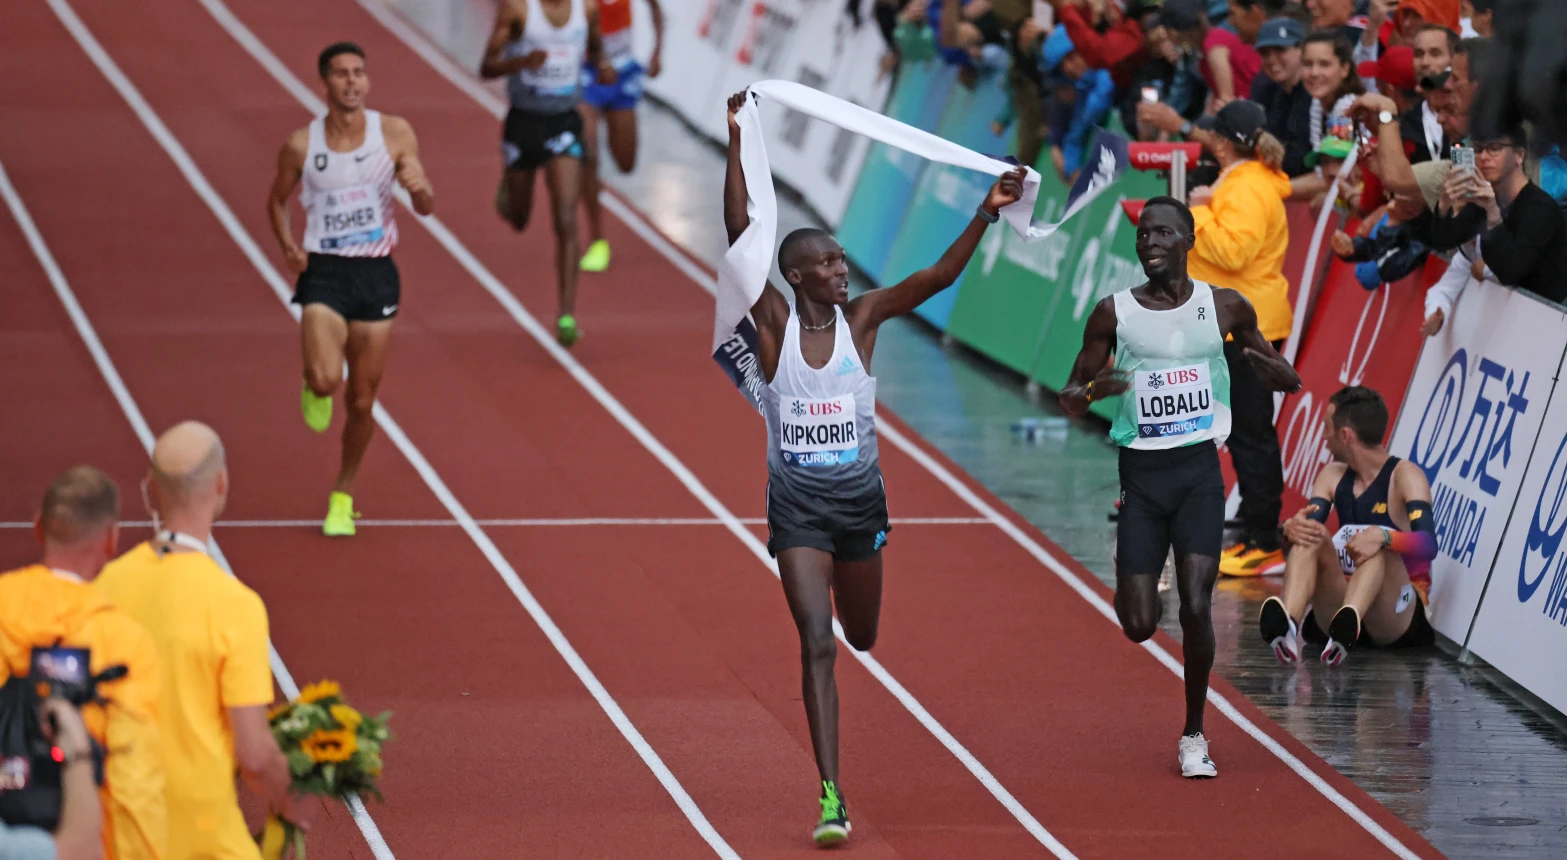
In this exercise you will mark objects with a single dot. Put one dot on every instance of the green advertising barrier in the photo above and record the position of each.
(881, 193)
(1025, 305)
(946, 196)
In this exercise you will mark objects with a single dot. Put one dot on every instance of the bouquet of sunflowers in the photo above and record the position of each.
(332, 750)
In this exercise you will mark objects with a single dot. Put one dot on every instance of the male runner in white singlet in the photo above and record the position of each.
(539, 47)
(1168, 340)
(345, 163)
(616, 104)
(826, 507)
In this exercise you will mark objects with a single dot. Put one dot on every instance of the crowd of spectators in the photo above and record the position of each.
(1282, 94)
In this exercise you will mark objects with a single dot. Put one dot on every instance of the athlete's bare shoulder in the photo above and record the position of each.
(396, 130)
(295, 147)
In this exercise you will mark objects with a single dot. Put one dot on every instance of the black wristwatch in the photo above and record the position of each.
(989, 218)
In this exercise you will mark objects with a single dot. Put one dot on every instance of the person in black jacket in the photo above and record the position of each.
(1393, 251)
(1522, 232)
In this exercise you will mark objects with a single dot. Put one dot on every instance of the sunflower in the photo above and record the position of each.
(329, 746)
(347, 717)
(317, 692)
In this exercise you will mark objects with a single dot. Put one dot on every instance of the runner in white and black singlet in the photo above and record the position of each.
(346, 164)
(1160, 347)
(826, 507)
(540, 47)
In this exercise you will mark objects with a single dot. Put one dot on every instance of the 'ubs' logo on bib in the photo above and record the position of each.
(798, 409)
(1155, 381)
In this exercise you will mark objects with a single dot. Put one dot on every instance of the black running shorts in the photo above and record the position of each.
(531, 139)
(850, 528)
(1169, 497)
(360, 289)
(1419, 633)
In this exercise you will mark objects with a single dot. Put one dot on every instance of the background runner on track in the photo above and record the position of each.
(344, 164)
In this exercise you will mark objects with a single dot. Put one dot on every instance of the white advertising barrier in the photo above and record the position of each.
(1522, 626)
(1470, 419)
(697, 35)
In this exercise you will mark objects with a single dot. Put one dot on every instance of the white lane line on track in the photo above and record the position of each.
(463, 80)
(394, 432)
(144, 434)
(545, 339)
(522, 523)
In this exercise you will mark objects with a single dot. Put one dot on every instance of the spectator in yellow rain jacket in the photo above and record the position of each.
(53, 601)
(1241, 239)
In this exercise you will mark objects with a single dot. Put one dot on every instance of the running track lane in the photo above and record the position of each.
(482, 744)
(731, 755)
(1015, 619)
(703, 310)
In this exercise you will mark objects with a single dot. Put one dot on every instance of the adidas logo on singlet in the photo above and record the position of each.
(847, 367)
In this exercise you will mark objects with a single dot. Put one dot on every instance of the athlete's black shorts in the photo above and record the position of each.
(1169, 497)
(361, 289)
(1419, 634)
(852, 528)
(531, 139)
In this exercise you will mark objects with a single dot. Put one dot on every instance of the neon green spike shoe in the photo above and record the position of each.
(317, 410)
(340, 516)
(597, 257)
(566, 330)
(834, 826)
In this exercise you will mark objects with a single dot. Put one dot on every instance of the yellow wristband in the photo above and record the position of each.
(1088, 391)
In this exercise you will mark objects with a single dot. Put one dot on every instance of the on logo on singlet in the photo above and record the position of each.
(1174, 401)
(350, 216)
(818, 432)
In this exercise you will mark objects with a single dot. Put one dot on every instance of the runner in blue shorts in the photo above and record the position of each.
(616, 103)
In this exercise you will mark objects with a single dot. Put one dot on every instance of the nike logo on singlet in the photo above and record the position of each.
(359, 158)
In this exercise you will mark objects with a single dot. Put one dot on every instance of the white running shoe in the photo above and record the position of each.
(1195, 763)
(1280, 631)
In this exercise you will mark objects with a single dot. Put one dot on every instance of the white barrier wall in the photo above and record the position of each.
(714, 48)
(1470, 419)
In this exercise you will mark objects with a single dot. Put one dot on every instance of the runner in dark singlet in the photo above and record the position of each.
(1367, 583)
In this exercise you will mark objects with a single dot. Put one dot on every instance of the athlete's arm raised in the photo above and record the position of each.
(404, 149)
(1272, 369)
(290, 164)
(772, 309)
(509, 21)
(1093, 373)
(909, 293)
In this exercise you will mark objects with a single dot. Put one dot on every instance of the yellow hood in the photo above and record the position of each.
(1242, 236)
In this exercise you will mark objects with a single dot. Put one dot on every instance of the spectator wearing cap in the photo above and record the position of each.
(1522, 233)
(1228, 62)
(1084, 97)
(1242, 235)
(1280, 91)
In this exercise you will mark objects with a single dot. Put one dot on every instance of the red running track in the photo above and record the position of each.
(501, 749)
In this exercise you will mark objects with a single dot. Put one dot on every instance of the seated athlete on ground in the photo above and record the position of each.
(1384, 545)
(826, 506)
(1168, 340)
(345, 164)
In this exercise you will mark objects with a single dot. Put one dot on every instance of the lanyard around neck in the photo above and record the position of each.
(184, 540)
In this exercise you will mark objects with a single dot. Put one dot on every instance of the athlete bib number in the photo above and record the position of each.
(1174, 402)
(814, 433)
(1341, 540)
(350, 216)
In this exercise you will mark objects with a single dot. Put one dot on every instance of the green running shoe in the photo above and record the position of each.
(597, 257)
(834, 826)
(566, 330)
(340, 516)
(317, 410)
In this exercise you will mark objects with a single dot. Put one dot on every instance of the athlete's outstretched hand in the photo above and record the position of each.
(736, 102)
(1007, 190)
(1274, 371)
(1301, 530)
